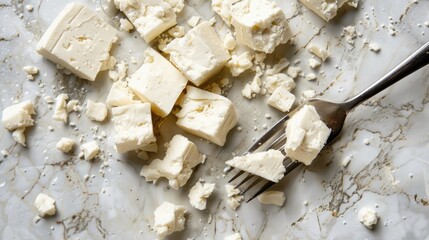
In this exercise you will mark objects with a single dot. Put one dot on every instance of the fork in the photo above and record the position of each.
(332, 114)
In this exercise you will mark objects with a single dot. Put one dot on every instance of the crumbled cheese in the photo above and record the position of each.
(229, 42)
(375, 47)
(233, 195)
(278, 67)
(350, 33)
(272, 197)
(177, 166)
(207, 115)
(31, 70)
(321, 53)
(120, 95)
(223, 9)
(90, 150)
(133, 127)
(293, 72)
(346, 161)
(193, 21)
(368, 216)
(121, 70)
(308, 94)
(177, 31)
(109, 63)
(267, 164)
(65, 144)
(158, 82)
(60, 111)
(19, 136)
(247, 91)
(239, 64)
(29, 7)
(281, 98)
(125, 25)
(306, 135)
(199, 54)
(79, 28)
(199, 193)
(235, 236)
(45, 205)
(18, 115)
(169, 218)
(72, 105)
(96, 111)
(272, 82)
(327, 9)
(314, 63)
(310, 77)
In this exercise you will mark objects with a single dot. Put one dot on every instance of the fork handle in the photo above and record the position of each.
(414, 62)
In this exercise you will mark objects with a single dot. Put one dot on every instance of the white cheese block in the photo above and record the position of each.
(65, 144)
(260, 25)
(368, 217)
(233, 196)
(169, 218)
(60, 110)
(207, 115)
(327, 9)
(181, 157)
(199, 193)
(199, 55)
(18, 115)
(19, 136)
(239, 63)
(306, 135)
(45, 205)
(235, 236)
(281, 98)
(272, 82)
(90, 150)
(272, 197)
(120, 95)
(149, 17)
(158, 82)
(78, 40)
(96, 111)
(133, 127)
(267, 164)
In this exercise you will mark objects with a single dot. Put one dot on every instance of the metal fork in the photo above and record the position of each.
(332, 114)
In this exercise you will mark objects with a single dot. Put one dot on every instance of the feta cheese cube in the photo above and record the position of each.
(96, 111)
(182, 155)
(235, 236)
(60, 110)
(169, 218)
(327, 9)
(45, 205)
(133, 127)
(260, 25)
(272, 197)
(306, 135)
(199, 193)
(158, 82)
(239, 64)
(267, 164)
(368, 217)
(18, 115)
(78, 40)
(233, 195)
(271, 83)
(65, 144)
(310, 77)
(207, 115)
(31, 70)
(281, 98)
(149, 17)
(90, 150)
(120, 95)
(199, 55)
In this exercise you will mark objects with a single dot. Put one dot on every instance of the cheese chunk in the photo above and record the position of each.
(65, 144)
(18, 115)
(199, 55)
(133, 127)
(268, 164)
(90, 150)
(19, 136)
(169, 218)
(239, 64)
(78, 40)
(223, 9)
(207, 115)
(260, 25)
(45, 205)
(281, 98)
(96, 111)
(181, 157)
(158, 82)
(327, 9)
(149, 17)
(272, 197)
(60, 110)
(199, 193)
(272, 82)
(120, 95)
(319, 52)
(368, 217)
(233, 196)
(306, 135)
(235, 236)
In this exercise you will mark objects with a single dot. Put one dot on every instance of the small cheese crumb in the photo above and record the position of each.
(169, 218)
(318, 52)
(60, 111)
(235, 236)
(234, 197)
(293, 72)
(177, 31)
(19, 136)
(375, 47)
(310, 77)
(18, 115)
(229, 42)
(45, 205)
(308, 94)
(314, 63)
(31, 70)
(346, 161)
(65, 144)
(368, 216)
(272, 197)
(271, 83)
(29, 7)
(96, 111)
(199, 193)
(90, 150)
(125, 25)
(193, 21)
(281, 98)
(239, 64)
(72, 105)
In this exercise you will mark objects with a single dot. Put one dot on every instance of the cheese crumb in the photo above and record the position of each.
(177, 31)
(239, 64)
(29, 7)
(233, 195)
(318, 52)
(229, 42)
(19, 136)
(293, 72)
(368, 216)
(281, 98)
(314, 63)
(18, 115)
(169, 218)
(45, 205)
(125, 25)
(272, 197)
(65, 145)
(308, 94)
(90, 150)
(310, 77)
(96, 111)
(193, 21)
(235, 236)
(199, 193)
(375, 47)
(60, 111)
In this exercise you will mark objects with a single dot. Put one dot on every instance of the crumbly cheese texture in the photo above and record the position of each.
(368, 217)
(45, 205)
(158, 82)
(281, 98)
(207, 115)
(272, 82)
(181, 157)
(120, 95)
(235, 236)
(267, 164)
(223, 9)
(272, 197)
(19, 136)
(240, 63)
(327, 9)
(96, 111)
(133, 127)
(199, 55)
(169, 218)
(60, 110)
(150, 17)
(233, 196)
(90, 150)
(306, 135)
(65, 145)
(199, 194)
(319, 52)
(260, 25)
(78, 40)
(18, 115)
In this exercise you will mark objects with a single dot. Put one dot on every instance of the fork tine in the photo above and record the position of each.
(263, 189)
(236, 176)
(251, 185)
(244, 180)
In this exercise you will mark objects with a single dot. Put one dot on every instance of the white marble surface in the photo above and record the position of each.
(390, 174)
